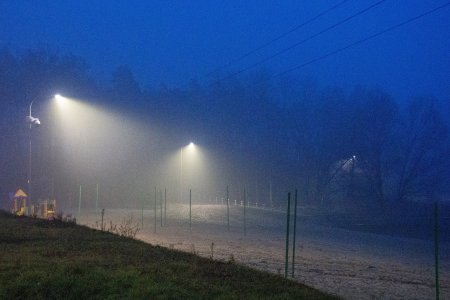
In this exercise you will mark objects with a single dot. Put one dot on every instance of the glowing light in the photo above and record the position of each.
(59, 98)
(189, 148)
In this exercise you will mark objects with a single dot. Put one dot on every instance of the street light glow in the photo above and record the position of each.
(59, 98)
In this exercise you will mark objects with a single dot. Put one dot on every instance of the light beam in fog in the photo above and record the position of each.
(96, 144)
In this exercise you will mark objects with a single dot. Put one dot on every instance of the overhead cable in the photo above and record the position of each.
(358, 42)
(306, 39)
(279, 37)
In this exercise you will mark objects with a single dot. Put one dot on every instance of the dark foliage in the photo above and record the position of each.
(355, 151)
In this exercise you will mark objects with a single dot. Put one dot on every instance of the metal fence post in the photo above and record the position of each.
(245, 213)
(96, 200)
(161, 207)
(154, 228)
(190, 209)
(79, 203)
(436, 247)
(165, 206)
(286, 266)
(295, 230)
(228, 211)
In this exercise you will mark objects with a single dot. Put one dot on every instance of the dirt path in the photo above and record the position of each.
(350, 264)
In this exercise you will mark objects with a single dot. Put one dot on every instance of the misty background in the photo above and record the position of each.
(364, 131)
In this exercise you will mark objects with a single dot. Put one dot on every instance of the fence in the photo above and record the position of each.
(357, 259)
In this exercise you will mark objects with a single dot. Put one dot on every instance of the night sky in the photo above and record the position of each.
(173, 42)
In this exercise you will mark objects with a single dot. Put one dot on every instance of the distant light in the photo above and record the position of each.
(191, 144)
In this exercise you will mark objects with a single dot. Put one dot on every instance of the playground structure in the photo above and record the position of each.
(45, 209)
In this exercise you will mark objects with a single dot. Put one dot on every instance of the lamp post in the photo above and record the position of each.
(190, 145)
(32, 121)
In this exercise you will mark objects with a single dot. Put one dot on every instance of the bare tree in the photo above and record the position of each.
(423, 158)
(376, 115)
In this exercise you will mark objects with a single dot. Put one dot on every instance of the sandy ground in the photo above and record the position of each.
(353, 265)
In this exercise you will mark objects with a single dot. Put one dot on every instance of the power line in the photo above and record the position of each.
(363, 40)
(306, 39)
(279, 37)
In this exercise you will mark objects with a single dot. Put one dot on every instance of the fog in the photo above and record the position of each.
(125, 156)
(358, 152)
(179, 112)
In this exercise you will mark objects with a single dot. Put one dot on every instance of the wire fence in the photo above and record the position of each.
(360, 258)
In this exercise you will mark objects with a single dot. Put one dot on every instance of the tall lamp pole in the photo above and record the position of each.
(191, 144)
(181, 175)
(32, 121)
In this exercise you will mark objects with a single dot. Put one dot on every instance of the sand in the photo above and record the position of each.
(350, 264)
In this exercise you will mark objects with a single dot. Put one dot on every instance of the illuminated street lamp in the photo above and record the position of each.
(36, 122)
(59, 98)
(33, 122)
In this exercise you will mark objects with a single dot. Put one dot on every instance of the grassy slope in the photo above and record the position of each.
(54, 260)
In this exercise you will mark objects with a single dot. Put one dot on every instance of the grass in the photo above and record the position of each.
(42, 259)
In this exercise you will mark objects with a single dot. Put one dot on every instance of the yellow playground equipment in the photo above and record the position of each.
(45, 209)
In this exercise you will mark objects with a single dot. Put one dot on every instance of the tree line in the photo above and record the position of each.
(343, 150)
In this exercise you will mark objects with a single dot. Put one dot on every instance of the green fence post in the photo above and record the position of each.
(228, 211)
(96, 200)
(436, 247)
(142, 213)
(190, 209)
(102, 227)
(295, 230)
(286, 266)
(165, 206)
(161, 206)
(79, 203)
(154, 229)
(245, 213)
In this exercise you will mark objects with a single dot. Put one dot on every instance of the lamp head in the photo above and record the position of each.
(33, 120)
(59, 98)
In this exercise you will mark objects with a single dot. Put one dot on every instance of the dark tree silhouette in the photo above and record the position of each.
(422, 157)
